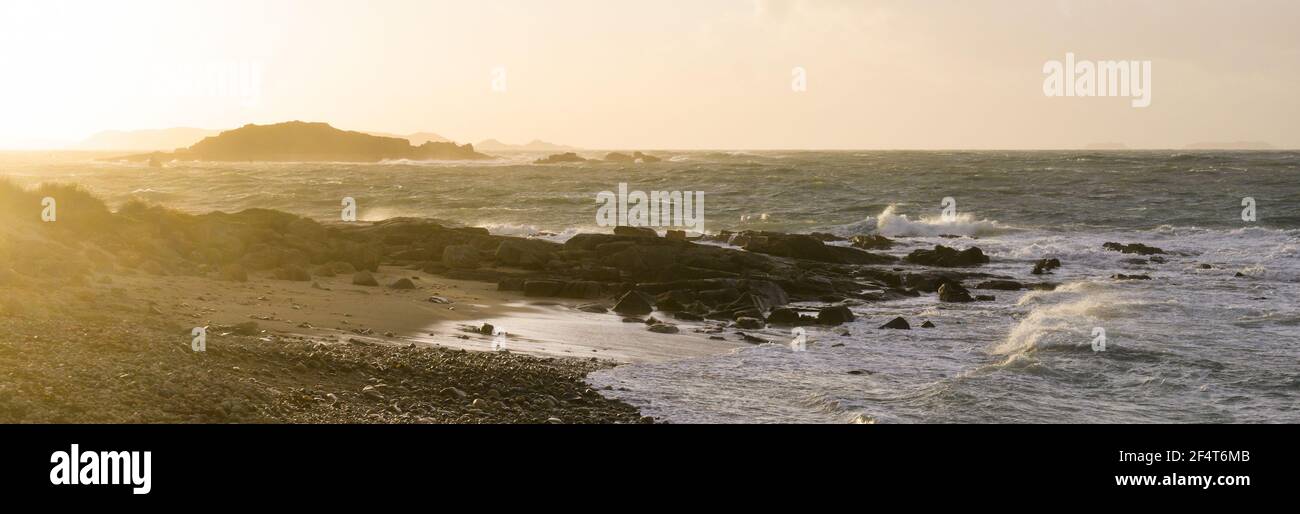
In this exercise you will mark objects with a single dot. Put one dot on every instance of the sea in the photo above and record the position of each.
(1213, 337)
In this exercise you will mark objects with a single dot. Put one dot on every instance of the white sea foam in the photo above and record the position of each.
(890, 223)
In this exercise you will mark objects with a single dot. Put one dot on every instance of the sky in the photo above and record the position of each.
(663, 74)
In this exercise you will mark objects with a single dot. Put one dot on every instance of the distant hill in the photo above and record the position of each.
(144, 140)
(416, 138)
(1235, 145)
(536, 145)
(303, 141)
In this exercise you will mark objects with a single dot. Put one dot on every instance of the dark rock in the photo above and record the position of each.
(632, 302)
(624, 230)
(1046, 266)
(834, 315)
(985, 298)
(783, 316)
(1001, 285)
(663, 328)
(943, 256)
(1156, 259)
(487, 329)
(954, 292)
(872, 242)
(897, 323)
(687, 316)
(801, 246)
(927, 324)
(1137, 248)
(1121, 276)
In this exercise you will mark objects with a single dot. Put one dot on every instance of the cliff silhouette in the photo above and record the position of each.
(308, 141)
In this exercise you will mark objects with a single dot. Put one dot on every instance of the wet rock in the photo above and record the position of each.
(364, 278)
(1121, 276)
(943, 256)
(402, 283)
(783, 316)
(633, 303)
(802, 246)
(1001, 285)
(663, 328)
(1137, 248)
(1046, 266)
(954, 292)
(985, 298)
(927, 324)
(834, 315)
(687, 316)
(872, 242)
(897, 323)
(486, 329)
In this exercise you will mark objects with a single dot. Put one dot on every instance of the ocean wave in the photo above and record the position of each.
(889, 223)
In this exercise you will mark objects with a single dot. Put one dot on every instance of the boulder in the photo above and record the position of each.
(364, 278)
(633, 303)
(1137, 248)
(872, 242)
(1046, 266)
(1001, 285)
(402, 283)
(783, 316)
(944, 256)
(1121, 276)
(954, 292)
(927, 324)
(897, 323)
(834, 315)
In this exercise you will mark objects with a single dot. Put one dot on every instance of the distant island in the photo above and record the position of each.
(416, 138)
(536, 145)
(144, 140)
(305, 141)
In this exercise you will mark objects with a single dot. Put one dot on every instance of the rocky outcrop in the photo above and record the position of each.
(1137, 248)
(560, 158)
(800, 246)
(303, 141)
(1044, 266)
(954, 292)
(898, 324)
(943, 256)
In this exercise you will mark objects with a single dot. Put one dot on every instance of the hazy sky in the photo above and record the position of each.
(653, 73)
